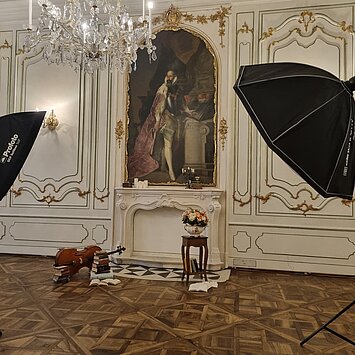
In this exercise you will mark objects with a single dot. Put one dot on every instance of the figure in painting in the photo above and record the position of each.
(167, 109)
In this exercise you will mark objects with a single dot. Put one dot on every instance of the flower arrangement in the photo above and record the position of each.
(195, 217)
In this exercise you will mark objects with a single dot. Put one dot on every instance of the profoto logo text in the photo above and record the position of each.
(11, 148)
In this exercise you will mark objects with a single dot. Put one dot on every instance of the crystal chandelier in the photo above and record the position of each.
(90, 34)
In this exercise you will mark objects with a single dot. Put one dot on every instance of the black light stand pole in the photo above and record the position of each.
(325, 327)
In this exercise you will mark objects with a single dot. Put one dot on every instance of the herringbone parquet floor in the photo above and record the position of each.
(254, 312)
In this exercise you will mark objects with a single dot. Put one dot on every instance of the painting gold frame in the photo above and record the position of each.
(190, 131)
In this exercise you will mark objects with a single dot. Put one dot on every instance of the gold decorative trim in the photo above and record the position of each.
(223, 131)
(6, 45)
(297, 195)
(304, 207)
(306, 18)
(101, 199)
(20, 51)
(270, 31)
(264, 199)
(242, 203)
(299, 32)
(220, 17)
(83, 193)
(346, 28)
(49, 198)
(215, 118)
(119, 131)
(347, 203)
(173, 18)
(16, 192)
(245, 29)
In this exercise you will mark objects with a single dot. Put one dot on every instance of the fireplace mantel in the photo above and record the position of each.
(148, 224)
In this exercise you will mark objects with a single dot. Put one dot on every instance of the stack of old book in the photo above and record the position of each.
(101, 266)
(61, 274)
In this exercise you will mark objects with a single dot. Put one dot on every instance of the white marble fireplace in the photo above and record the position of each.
(148, 224)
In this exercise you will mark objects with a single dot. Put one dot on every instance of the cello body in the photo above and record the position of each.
(75, 259)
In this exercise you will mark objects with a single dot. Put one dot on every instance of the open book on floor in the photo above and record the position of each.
(104, 282)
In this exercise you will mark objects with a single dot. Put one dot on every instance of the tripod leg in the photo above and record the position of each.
(325, 326)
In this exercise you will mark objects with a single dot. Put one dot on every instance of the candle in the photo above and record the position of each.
(150, 6)
(143, 9)
(30, 13)
(130, 25)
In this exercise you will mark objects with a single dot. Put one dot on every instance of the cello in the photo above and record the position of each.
(75, 259)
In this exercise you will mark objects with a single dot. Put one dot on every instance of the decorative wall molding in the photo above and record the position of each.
(173, 18)
(295, 33)
(67, 233)
(241, 136)
(119, 131)
(102, 197)
(223, 131)
(49, 198)
(245, 29)
(298, 245)
(242, 241)
(100, 234)
(6, 67)
(5, 45)
(2, 230)
(241, 202)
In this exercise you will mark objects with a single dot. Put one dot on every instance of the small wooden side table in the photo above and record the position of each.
(199, 242)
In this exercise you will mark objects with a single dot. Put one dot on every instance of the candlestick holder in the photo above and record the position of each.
(189, 174)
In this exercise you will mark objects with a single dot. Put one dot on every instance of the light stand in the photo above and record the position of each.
(325, 327)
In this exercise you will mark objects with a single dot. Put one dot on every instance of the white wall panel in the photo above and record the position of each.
(41, 231)
(6, 59)
(268, 231)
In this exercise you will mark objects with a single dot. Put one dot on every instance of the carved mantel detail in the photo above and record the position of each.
(142, 214)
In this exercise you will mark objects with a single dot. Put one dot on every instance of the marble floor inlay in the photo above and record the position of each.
(163, 274)
(252, 312)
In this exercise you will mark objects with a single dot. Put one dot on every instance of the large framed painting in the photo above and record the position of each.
(172, 111)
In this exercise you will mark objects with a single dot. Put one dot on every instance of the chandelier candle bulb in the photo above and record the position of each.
(30, 13)
(130, 25)
(150, 6)
(143, 10)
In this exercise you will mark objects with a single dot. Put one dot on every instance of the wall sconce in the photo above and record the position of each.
(51, 122)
